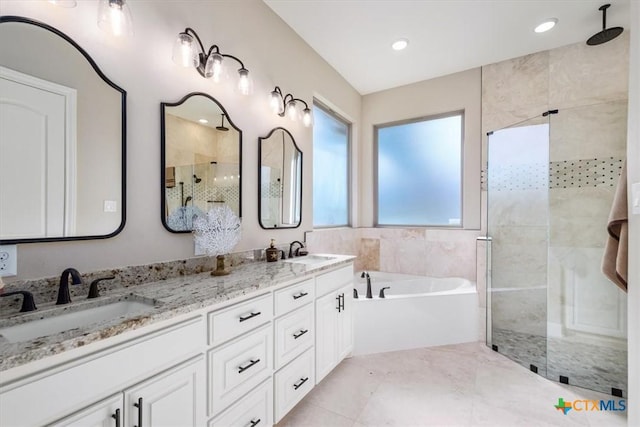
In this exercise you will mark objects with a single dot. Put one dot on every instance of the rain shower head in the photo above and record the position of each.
(222, 127)
(607, 34)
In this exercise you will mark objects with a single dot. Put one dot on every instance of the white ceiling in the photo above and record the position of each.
(445, 36)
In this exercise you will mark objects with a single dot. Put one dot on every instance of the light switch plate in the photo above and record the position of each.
(8, 260)
(110, 206)
(635, 198)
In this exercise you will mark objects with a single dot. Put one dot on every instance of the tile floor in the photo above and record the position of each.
(455, 385)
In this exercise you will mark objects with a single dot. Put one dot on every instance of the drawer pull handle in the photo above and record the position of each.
(139, 406)
(116, 417)
(342, 301)
(241, 369)
(339, 305)
(242, 319)
(299, 334)
(254, 423)
(300, 295)
(302, 381)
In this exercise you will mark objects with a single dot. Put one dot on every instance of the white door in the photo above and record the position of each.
(172, 399)
(107, 413)
(34, 148)
(326, 324)
(345, 323)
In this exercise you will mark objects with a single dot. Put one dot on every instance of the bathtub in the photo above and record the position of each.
(418, 311)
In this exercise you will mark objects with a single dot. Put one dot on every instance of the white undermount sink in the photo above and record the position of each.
(71, 320)
(310, 259)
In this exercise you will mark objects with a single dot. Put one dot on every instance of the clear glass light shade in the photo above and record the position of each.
(245, 84)
(114, 17)
(213, 68)
(307, 118)
(291, 110)
(275, 101)
(185, 53)
(64, 3)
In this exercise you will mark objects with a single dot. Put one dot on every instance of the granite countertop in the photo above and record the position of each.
(169, 297)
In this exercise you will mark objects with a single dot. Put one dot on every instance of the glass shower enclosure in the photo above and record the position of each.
(550, 186)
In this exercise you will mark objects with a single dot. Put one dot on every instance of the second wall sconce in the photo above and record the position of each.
(187, 53)
(288, 105)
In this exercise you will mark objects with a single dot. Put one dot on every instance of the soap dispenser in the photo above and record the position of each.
(272, 252)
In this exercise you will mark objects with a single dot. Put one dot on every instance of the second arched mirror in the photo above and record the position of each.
(201, 160)
(280, 180)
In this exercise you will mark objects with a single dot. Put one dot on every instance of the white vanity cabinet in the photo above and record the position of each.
(334, 324)
(294, 340)
(108, 413)
(74, 389)
(166, 399)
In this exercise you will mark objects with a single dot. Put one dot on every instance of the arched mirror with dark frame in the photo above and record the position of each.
(201, 160)
(62, 139)
(279, 180)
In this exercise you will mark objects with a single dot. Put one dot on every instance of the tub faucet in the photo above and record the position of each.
(28, 304)
(63, 290)
(366, 275)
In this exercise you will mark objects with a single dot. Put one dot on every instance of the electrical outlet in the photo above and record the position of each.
(8, 260)
(110, 206)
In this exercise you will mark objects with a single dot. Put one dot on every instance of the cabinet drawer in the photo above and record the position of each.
(231, 322)
(255, 409)
(237, 367)
(292, 383)
(295, 296)
(294, 333)
(333, 280)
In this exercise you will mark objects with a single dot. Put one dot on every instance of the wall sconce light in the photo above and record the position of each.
(114, 17)
(208, 63)
(288, 105)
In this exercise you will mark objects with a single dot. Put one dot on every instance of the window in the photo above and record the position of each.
(331, 135)
(419, 172)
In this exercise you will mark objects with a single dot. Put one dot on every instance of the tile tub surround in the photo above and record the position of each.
(176, 295)
(420, 251)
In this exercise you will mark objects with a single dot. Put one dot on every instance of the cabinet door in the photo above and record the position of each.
(344, 333)
(172, 398)
(326, 324)
(107, 413)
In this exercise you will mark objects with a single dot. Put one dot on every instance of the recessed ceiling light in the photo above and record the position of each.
(546, 25)
(203, 121)
(400, 44)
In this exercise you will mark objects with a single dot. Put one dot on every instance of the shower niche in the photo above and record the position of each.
(550, 184)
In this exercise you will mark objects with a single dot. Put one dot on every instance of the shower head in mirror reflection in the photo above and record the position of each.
(188, 51)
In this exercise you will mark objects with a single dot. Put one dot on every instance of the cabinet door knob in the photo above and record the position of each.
(302, 381)
(116, 416)
(139, 406)
(249, 316)
(241, 369)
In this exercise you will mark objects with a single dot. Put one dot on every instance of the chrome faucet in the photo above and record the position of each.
(363, 275)
(28, 304)
(63, 290)
(297, 252)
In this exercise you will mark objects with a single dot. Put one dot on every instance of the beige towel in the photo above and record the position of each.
(615, 258)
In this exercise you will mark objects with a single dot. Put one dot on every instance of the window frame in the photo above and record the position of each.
(338, 117)
(376, 189)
